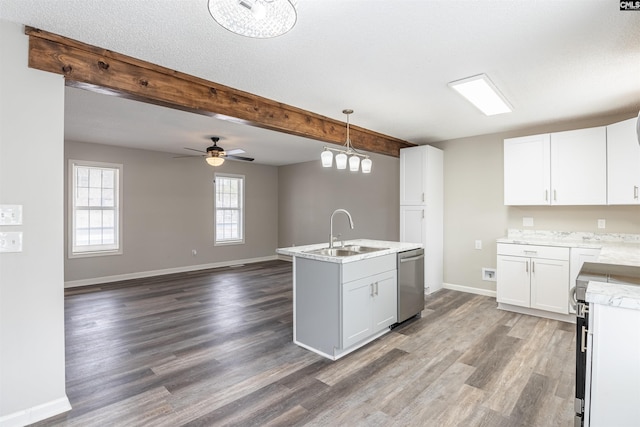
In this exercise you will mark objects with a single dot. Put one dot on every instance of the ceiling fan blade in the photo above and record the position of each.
(181, 157)
(193, 149)
(246, 159)
(235, 151)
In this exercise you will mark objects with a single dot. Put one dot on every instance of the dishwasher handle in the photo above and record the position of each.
(413, 258)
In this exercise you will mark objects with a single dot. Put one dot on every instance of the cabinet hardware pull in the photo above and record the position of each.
(635, 192)
(423, 197)
(377, 288)
(583, 340)
(371, 285)
(533, 266)
(526, 266)
(546, 195)
(555, 198)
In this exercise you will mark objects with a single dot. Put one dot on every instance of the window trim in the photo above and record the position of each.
(71, 206)
(242, 209)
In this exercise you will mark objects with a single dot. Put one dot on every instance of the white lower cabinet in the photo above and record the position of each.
(369, 305)
(341, 307)
(535, 277)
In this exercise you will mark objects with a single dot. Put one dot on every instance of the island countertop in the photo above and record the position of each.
(389, 248)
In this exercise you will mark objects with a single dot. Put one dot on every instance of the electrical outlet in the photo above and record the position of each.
(478, 244)
(602, 223)
(527, 221)
(194, 252)
(10, 214)
(11, 242)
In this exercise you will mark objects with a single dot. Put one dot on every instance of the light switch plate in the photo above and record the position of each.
(11, 242)
(10, 214)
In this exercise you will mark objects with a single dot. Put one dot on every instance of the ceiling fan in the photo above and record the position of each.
(216, 155)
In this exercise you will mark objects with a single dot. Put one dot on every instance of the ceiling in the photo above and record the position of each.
(389, 60)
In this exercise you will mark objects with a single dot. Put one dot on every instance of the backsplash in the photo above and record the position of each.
(583, 236)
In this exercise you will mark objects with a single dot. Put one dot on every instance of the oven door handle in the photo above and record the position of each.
(572, 298)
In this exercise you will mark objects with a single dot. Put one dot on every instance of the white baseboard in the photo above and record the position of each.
(469, 289)
(36, 413)
(151, 273)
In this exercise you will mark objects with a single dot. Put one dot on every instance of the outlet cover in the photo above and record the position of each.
(602, 223)
(10, 214)
(11, 242)
(478, 244)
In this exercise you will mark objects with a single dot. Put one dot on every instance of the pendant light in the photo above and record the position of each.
(348, 154)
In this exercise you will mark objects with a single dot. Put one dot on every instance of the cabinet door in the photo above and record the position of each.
(385, 301)
(623, 163)
(412, 175)
(513, 283)
(412, 224)
(357, 300)
(527, 170)
(579, 167)
(550, 285)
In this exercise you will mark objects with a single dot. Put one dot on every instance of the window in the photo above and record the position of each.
(229, 200)
(95, 203)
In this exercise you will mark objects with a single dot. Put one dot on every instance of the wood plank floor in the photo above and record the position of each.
(215, 348)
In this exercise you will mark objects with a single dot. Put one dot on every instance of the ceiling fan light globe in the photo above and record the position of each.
(341, 161)
(327, 159)
(215, 161)
(366, 165)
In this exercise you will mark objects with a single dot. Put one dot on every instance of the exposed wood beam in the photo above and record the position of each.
(104, 71)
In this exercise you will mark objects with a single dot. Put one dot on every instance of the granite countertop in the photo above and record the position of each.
(389, 248)
(620, 249)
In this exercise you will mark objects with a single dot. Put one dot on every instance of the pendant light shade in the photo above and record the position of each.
(366, 165)
(341, 161)
(255, 18)
(348, 153)
(327, 159)
(354, 163)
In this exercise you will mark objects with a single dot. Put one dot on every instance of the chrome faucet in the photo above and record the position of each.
(331, 224)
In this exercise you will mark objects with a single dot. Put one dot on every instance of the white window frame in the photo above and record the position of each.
(241, 208)
(83, 251)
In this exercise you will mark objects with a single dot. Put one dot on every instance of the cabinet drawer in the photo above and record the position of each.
(368, 267)
(534, 251)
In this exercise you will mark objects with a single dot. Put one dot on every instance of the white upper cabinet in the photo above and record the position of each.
(527, 170)
(412, 176)
(562, 168)
(579, 167)
(623, 163)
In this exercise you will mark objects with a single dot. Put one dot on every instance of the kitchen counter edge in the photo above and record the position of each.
(389, 248)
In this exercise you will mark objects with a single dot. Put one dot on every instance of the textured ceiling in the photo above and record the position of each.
(389, 60)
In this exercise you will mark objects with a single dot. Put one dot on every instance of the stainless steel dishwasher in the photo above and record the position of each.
(410, 283)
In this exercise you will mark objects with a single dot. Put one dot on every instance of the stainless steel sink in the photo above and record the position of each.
(340, 252)
(349, 250)
(362, 249)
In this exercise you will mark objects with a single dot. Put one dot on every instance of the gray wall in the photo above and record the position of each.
(309, 194)
(474, 207)
(32, 382)
(168, 212)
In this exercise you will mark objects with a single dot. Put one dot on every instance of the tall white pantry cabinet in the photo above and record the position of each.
(422, 207)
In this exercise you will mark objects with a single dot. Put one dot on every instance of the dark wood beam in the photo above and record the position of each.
(104, 71)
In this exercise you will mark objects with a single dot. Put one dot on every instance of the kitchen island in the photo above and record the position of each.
(345, 297)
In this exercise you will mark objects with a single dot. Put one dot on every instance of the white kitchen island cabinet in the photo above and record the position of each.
(340, 307)
(623, 161)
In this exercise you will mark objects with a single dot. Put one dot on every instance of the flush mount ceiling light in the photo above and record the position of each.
(255, 18)
(483, 94)
(348, 153)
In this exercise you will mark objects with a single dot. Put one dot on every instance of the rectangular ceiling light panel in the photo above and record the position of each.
(483, 94)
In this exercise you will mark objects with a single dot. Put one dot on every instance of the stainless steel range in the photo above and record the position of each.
(608, 273)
